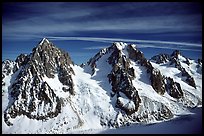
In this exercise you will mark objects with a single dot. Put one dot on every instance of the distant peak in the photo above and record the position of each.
(44, 40)
(176, 53)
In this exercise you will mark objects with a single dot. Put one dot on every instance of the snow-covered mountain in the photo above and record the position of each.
(117, 87)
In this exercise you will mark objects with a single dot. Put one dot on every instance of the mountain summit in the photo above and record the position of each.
(30, 94)
(116, 87)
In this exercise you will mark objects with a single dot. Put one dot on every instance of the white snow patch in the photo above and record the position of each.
(56, 85)
(120, 45)
(127, 103)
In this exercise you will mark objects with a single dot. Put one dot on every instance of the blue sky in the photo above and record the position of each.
(83, 28)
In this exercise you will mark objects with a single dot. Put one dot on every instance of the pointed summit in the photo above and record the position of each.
(44, 40)
(44, 44)
(45, 63)
(119, 45)
(176, 53)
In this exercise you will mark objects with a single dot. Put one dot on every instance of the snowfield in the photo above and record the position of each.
(183, 124)
(80, 112)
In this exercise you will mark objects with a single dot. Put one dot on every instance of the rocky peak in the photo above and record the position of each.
(134, 53)
(29, 90)
(120, 76)
(176, 53)
(48, 60)
(44, 45)
(21, 60)
(44, 41)
(117, 55)
(161, 58)
(119, 45)
(177, 59)
(51, 58)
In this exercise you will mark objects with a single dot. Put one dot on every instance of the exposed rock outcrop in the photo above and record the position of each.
(157, 81)
(173, 88)
(175, 59)
(161, 58)
(121, 79)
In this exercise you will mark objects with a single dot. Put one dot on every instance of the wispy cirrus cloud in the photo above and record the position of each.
(139, 43)
(44, 26)
(95, 21)
(31, 20)
(95, 47)
(110, 40)
(168, 47)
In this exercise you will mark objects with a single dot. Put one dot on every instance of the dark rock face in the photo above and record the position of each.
(199, 66)
(161, 58)
(121, 79)
(31, 96)
(199, 61)
(3, 76)
(53, 61)
(31, 103)
(7, 67)
(21, 60)
(82, 65)
(187, 61)
(190, 80)
(134, 98)
(174, 60)
(135, 54)
(175, 54)
(157, 81)
(173, 88)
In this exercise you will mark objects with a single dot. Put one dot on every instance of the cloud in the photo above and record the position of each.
(139, 43)
(110, 40)
(38, 25)
(43, 19)
(95, 47)
(167, 47)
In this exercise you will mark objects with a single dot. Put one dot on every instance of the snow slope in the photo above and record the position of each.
(145, 90)
(190, 93)
(80, 112)
(185, 124)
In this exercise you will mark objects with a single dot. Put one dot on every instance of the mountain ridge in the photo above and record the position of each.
(120, 86)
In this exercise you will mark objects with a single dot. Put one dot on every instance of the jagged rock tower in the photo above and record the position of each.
(29, 92)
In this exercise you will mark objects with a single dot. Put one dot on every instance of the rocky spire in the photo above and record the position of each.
(29, 90)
